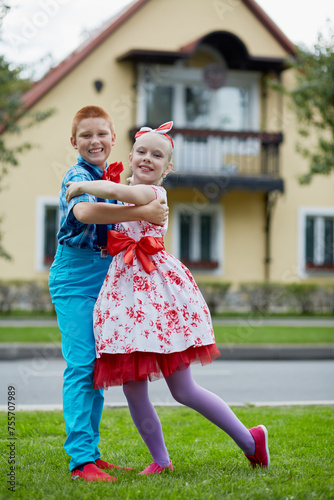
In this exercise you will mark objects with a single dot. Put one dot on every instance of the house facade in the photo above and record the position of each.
(237, 210)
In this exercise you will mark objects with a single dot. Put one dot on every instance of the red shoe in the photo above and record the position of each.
(91, 473)
(155, 468)
(106, 465)
(261, 456)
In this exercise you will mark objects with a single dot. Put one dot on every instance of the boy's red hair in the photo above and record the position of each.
(90, 112)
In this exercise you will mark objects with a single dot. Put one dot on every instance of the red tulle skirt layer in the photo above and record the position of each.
(118, 369)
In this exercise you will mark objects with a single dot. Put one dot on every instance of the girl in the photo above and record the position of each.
(150, 319)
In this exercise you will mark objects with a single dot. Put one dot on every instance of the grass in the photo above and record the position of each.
(207, 463)
(30, 334)
(243, 334)
(248, 334)
(25, 314)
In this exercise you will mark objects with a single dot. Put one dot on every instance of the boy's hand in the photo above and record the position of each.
(157, 212)
(73, 189)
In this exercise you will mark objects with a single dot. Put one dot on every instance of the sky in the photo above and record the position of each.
(52, 29)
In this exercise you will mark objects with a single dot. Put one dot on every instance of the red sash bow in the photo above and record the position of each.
(146, 245)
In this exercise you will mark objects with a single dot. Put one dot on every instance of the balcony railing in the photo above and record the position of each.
(232, 160)
(224, 152)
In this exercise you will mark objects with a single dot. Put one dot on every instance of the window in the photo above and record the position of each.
(222, 109)
(159, 104)
(47, 225)
(316, 246)
(185, 236)
(198, 235)
(196, 102)
(50, 234)
(180, 94)
(319, 242)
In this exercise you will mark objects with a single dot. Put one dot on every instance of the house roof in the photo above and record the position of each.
(56, 74)
(228, 45)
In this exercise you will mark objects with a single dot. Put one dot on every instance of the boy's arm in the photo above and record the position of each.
(138, 195)
(155, 212)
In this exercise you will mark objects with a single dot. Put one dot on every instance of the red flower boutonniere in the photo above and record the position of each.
(113, 172)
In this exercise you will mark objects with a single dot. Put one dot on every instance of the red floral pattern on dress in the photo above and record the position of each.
(161, 312)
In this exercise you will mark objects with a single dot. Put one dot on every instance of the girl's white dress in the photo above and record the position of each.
(148, 325)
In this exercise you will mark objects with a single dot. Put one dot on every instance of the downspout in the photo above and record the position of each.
(271, 196)
(270, 202)
(267, 227)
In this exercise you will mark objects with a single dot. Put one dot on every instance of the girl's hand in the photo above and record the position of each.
(73, 189)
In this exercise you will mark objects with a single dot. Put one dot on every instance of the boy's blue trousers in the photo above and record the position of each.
(75, 279)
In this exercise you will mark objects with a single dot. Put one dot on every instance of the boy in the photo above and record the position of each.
(76, 276)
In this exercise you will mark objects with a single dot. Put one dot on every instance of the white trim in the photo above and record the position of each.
(41, 203)
(141, 98)
(304, 212)
(217, 236)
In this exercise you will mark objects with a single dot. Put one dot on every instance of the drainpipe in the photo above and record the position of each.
(271, 196)
(270, 202)
(267, 227)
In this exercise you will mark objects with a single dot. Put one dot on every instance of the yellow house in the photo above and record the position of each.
(237, 211)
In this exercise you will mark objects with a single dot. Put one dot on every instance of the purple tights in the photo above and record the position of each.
(187, 392)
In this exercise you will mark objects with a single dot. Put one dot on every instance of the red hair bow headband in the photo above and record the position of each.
(163, 129)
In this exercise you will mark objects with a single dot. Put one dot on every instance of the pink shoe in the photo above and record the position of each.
(261, 456)
(91, 473)
(155, 468)
(106, 465)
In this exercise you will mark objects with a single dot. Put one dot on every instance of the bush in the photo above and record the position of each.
(214, 294)
(8, 296)
(327, 298)
(262, 296)
(29, 295)
(38, 296)
(304, 294)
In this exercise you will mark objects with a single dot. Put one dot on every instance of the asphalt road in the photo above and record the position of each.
(38, 383)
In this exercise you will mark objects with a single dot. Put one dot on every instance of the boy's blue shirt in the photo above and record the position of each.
(74, 233)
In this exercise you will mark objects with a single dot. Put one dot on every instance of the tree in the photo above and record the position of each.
(12, 88)
(312, 100)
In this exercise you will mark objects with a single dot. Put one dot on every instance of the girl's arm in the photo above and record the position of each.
(155, 212)
(138, 195)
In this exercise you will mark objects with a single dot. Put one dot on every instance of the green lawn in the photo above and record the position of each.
(244, 334)
(248, 334)
(207, 463)
(30, 334)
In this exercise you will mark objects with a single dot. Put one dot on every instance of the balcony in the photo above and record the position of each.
(224, 160)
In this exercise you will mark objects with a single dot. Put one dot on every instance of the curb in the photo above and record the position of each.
(275, 352)
(14, 351)
(270, 352)
(59, 407)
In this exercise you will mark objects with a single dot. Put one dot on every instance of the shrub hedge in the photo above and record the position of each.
(304, 298)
